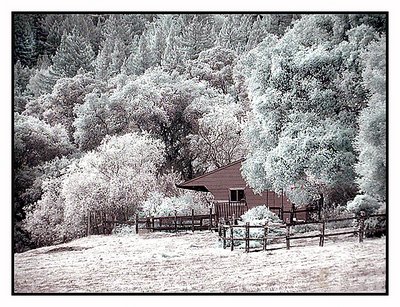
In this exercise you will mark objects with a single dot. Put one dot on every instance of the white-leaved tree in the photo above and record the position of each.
(218, 139)
(371, 167)
(36, 142)
(74, 53)
(305, 95)
(371, 141)
(115, 178)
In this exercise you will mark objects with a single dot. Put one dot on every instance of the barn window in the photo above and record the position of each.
(236, 194)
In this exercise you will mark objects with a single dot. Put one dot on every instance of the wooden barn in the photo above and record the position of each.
(233, 196)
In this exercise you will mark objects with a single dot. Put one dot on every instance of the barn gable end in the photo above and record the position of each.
(223, 181)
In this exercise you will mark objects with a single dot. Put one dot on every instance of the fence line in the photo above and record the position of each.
(360, 231)
(177, 222)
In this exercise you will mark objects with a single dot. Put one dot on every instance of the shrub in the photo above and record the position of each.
(158, 204)
(363, 203)
(376, 226)
(256, 216)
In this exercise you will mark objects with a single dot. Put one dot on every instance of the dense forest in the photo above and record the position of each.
(112, 110)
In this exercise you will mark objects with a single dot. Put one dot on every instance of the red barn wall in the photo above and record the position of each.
(220, 181)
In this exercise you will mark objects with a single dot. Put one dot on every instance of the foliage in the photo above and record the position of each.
(364, 203)
(301, 97)
(215, 65)
(160, 205)
(36, 142)
(257, 216)
(44, 221)
(371, 140)
(218, 140)
(113, 179)
(376, 226)
(306, 91)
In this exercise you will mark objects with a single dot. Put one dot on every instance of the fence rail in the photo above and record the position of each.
(177, 222)
(226, 231)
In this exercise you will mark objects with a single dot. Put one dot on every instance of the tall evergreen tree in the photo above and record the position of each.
(235, 32)
(73, 54)
(25, 43)
(197, 35)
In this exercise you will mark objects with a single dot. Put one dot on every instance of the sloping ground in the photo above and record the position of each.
(186, 262)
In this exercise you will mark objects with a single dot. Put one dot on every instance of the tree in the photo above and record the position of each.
(68, 94)
(166, 105)
(42, 82)
(305, 99)
(36, 142)
(101, 115)
(235, 32)
(114, 178)
(44, 220)
(21, 78)
(25, 44)
(73, 54)
(173, 57)
(111, 58)
(218, 139)
(215, 65)
(371, 139)
(197, 35)
(119, 42)
(55, 25)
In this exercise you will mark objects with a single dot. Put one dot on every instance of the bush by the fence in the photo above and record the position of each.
(365, 203)
(256, 216)
(159, 204)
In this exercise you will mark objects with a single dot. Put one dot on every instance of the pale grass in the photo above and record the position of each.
(194, 263)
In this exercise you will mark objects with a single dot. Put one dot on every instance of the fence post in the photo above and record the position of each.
(231, 229)
(210, 227)
(137, 223)
(192, 220)
(247, 245)
(233, 219)
(322, 235)
(147, 222)
(224, 235)
(292, 214)
(288, 236)
(176, 222)
(361, 226)
(152, 223)
(320, 205)
(88, 224)
(265, 239)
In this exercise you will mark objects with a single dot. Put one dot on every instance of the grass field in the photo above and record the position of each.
(195, 263)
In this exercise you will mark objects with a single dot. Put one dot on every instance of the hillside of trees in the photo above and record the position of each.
(111, 110)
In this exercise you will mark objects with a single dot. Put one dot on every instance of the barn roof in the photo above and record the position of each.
(194, 184)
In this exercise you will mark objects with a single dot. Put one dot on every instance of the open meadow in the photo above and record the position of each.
(196, 263)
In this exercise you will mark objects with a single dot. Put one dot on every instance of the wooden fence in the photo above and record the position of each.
(226, 231)
(177, 222)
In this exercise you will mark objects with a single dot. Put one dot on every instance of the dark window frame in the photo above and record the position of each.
(237, 195)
